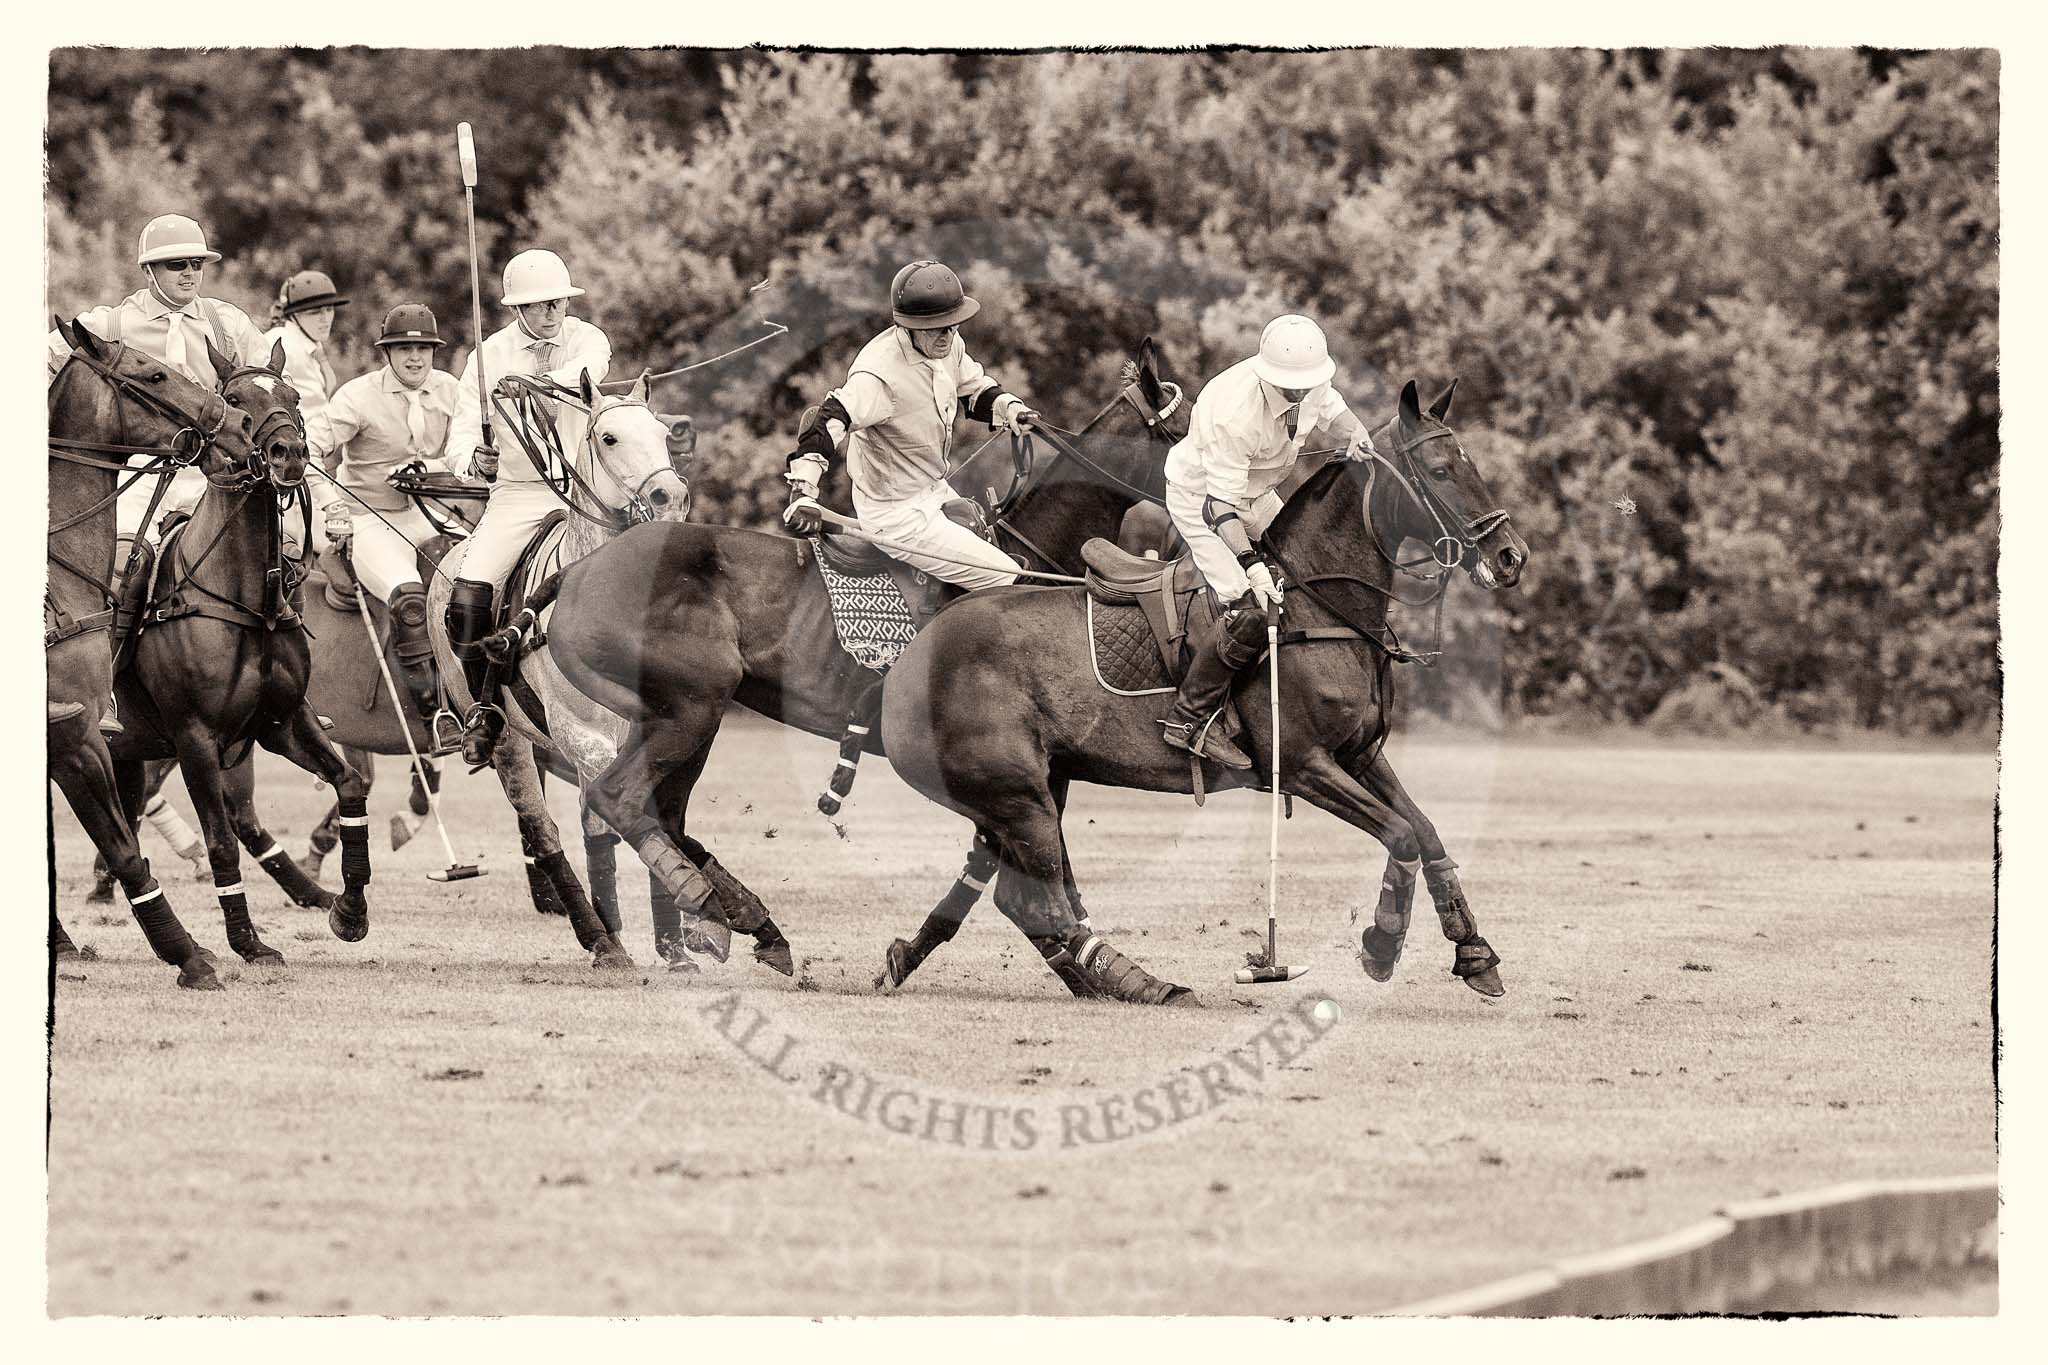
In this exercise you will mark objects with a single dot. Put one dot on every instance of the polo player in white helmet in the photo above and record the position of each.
(375, 425)
(895, 414)
(168, 319)
(541, 340)
(1243, 439)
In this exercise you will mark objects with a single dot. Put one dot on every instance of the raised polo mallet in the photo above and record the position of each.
(1254, 972)
(465, 150)
(456, 871)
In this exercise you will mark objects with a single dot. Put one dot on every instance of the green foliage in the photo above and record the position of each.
(1752, 294)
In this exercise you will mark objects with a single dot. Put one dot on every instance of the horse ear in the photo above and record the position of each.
(1411, 404)
(276, 365)
(1441, 408)
(589, 389)
(640, 386)
(222, 367)
(75, 336)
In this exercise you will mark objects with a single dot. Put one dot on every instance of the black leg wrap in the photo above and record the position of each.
(670, 940)
(1061, 960)
(355, 842)
(556, 865)
(601, 865)
(234, 913)
(542, 890)
(1116, 977)
(744, 911)
(305, 893)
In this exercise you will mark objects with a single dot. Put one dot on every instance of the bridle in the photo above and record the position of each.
(526, 415)
(188, 445)
(1025, 475)
(1456, 537)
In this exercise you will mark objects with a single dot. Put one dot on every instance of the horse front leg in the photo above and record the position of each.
(945, 918)
(199, 761)
(239, 783)
(1475, 963)
(84, 772)
(298, 737)
(520, 776)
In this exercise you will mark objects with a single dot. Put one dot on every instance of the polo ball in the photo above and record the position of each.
(1328, 1012)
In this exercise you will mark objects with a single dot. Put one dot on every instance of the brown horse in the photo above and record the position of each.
(996, 731)
(671, 624)
(221, 659)
(108, 403)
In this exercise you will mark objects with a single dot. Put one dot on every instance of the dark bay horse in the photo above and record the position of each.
(994, 709)
(108, 403)
(220, 661)
(671, 624)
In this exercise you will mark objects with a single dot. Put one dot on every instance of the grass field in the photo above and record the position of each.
(1729, 973)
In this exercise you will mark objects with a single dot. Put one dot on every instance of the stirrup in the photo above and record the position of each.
(110, 724)
(1207, 742)
(480, 731)
(444, 734)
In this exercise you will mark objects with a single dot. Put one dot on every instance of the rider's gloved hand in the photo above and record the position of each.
(1361, 447)
(804, 516)
(483, 462)
(1263, 586)
(339, 524)
(1011, 414)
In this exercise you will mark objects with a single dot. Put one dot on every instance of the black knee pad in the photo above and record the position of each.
(409, 605)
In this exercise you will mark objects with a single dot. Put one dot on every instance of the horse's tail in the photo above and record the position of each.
(503, 647)
(543, 594)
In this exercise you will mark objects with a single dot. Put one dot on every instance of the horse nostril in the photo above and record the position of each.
(660, 497)
(1508, 559)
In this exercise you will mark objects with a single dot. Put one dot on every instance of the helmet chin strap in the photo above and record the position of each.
(158, 290)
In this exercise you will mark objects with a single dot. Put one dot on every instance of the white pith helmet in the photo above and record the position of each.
(1293, 354)
(172, 237)
(535, 277)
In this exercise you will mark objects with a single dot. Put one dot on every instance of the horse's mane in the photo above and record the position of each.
(1312, 491)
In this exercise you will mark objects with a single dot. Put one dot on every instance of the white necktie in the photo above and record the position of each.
(416, 421)
(543, 354)
(174, 342)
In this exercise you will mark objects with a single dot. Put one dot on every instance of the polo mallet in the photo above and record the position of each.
(455, 871)
(465, 149)
(1255, 973)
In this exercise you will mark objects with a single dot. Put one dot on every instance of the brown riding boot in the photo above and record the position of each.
(1235, 640)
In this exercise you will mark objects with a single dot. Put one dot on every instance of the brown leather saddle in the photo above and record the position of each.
(1169, 596)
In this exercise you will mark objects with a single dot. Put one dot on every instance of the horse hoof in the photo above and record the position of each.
(195, 973)
(1487, 982)
(898, 964)
(777, 956)
(65, 952)
(712, 939)
(261, 955)
(609, 956)
(350, 924)
(1181, 997)
(401, 833)
(683, 966)
(102, 893)
(205, 955)
(1375, 968)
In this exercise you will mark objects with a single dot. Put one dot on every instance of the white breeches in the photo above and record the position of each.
(383, 551)
(921, 523)
(1218, 565)
(515, 511)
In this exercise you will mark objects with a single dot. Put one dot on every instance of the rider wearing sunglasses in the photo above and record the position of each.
(1222, 479)
(168, 319)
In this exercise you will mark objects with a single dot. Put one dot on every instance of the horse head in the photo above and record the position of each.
(626, 461)
(1439, 497)
(169, 409)
(270, 408)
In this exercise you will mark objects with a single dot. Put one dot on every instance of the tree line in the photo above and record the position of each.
(1725, 322)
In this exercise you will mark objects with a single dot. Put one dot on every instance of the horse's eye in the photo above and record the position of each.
(158, 376)
(610, 440)
(1440, 472)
